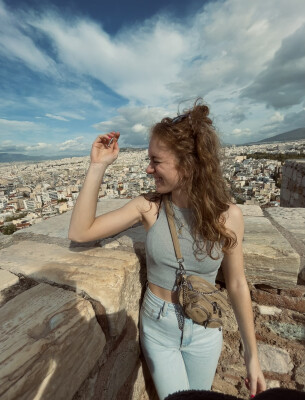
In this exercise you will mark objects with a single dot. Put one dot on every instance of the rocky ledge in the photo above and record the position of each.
(69, 312)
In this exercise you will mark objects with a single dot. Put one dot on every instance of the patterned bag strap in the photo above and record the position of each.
(170, 219)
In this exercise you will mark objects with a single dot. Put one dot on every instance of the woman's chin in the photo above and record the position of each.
(161, 190)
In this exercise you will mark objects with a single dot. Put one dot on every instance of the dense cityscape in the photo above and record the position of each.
(31, 192)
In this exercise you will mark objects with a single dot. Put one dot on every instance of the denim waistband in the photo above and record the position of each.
(151, 298)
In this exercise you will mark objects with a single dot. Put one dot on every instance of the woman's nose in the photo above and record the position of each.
(149, 169)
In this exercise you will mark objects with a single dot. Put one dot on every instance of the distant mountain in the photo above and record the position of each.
(296, 134)
(10, 157)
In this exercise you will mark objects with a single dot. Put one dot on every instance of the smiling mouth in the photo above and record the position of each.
(158, 180)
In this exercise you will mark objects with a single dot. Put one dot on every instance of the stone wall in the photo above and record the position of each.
(69, 312)
(293, 184)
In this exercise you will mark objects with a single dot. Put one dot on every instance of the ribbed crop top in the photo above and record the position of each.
(161, 261)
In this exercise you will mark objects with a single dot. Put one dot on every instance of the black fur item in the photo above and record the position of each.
(270, 394)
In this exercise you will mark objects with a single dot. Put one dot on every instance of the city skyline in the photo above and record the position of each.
(72, 71)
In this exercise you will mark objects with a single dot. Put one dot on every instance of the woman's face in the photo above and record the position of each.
(163, 166)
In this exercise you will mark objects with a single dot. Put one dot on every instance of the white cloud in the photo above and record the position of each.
(223, 46)
(13, 126)
(138, 63)
(234, 43)
(138, 128)
(242, 132)
(281, 84)
(72, 115)
(17, 44)
(73, 144)
(58, 117)
(133, 123)
(292, 120)
(277, 117)
(39, 146)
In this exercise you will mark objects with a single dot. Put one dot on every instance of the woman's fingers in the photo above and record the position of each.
(107, 139)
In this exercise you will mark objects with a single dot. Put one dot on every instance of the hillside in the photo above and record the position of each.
(296, 134)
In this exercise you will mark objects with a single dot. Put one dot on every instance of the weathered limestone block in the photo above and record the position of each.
(133, 238)
(251, 210)
(291, 220)
(221, 386)
(116, 372)
(110, 277)
(300, 374)
(58, 226)
(7, 279)
(5, 240)
(286, 330)
(50, 341)
(293, 178)
(285, 195)
(267, 310)
(265, 298)
(272, 384)
(268, 256)
(274, 359)
(143, 387)
(298, 291)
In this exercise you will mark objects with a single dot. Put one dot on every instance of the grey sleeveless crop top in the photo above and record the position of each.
(161, 261)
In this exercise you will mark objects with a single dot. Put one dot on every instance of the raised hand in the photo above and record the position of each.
(105, 148)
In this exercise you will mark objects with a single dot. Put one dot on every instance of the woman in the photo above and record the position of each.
(184, 161)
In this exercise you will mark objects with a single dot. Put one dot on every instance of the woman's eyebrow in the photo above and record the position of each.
(155, 157)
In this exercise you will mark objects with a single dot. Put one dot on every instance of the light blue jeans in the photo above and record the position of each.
(177, 360)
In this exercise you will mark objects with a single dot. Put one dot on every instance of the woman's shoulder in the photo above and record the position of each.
(233, 218)
(144, 204)
(233, 215)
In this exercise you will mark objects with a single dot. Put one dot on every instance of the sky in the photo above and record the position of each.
(71, 70)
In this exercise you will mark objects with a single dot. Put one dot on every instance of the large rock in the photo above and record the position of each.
(291, 220)
(286, 330)
(58, 226)
(277, 300)
(5, 240)
(291, 223)
(107, 276)
(50, 341)
(7, 279)
(274, 359)
(268, 310)
(251, 210)
(269, 258)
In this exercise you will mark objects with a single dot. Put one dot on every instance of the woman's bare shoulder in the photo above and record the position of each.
(234, 221)
(145, 206)
(233, 215)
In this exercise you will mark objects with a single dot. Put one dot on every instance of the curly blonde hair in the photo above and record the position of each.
(193, 139)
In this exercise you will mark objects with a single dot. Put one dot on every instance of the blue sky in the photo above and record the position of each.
(72, 71)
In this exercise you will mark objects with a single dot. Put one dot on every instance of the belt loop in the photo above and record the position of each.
(164, 309)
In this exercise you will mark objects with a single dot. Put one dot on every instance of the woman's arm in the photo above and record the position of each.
(237, 287)
(84, 226)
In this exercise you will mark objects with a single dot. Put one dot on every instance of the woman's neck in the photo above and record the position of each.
(179, 198)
